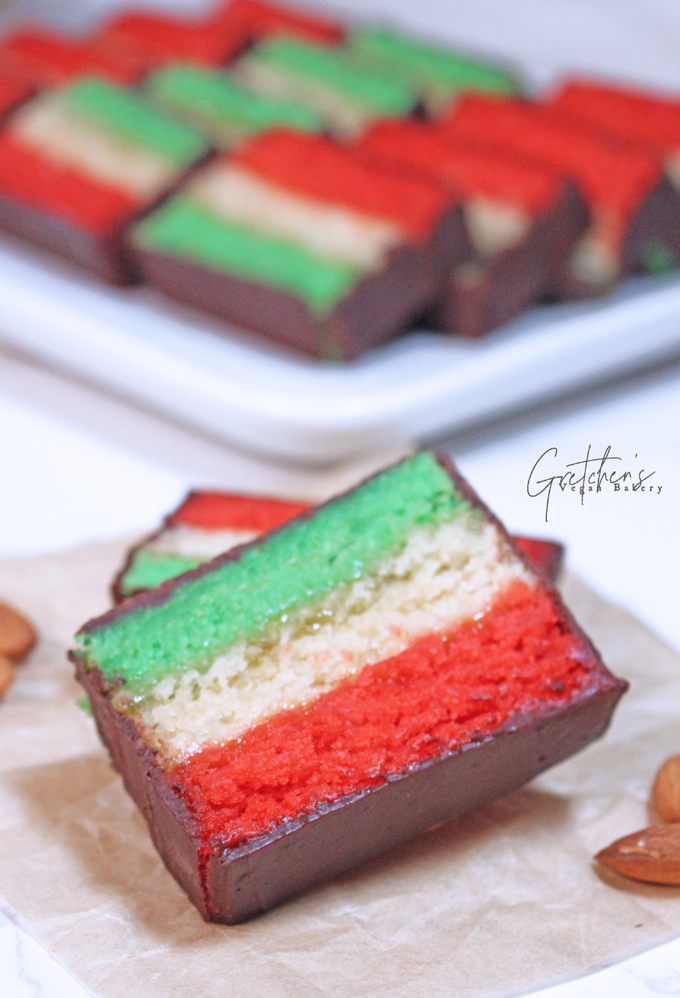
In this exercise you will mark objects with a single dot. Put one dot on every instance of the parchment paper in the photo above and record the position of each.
(503, 899)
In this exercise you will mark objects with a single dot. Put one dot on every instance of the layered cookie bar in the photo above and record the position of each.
(205, 525)
(523, 222)
(295, 236)
(630, 200)
(151, 38)
(78, 164)
(631, 116)
(262, 20)
(374, 666)
(437, 74)
(41, 58)
(224, 111)
(327, 80)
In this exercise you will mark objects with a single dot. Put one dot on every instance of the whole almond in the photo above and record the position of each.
(652, 855)
(7, 672)
(17, 637)
(666, 790)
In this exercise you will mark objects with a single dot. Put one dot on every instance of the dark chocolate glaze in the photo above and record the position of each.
(657, 219)
(233, 884)
(375, 309)
(483, 294)
(106, 255)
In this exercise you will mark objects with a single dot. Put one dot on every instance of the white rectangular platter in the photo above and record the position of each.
(238, 387)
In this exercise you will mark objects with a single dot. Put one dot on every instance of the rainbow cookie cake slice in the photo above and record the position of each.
(374, 666)
(436, 73)
(205, 524)
(80, 163)
(630, 200)
(225, 112)
(327, 80)
(523, 220)
(295, 236)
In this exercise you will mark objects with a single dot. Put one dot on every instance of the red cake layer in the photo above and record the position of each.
(627, 114)
(321, 168)
(152, 39)
(423, 148)
(43, 59)
(609, 174)
(228, 511)
(441, 693)
(263, 19)
(62, 191)
(12, 92)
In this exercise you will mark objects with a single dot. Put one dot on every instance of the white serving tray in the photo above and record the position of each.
(239, 387)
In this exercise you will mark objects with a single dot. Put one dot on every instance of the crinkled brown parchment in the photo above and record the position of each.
(503, 899)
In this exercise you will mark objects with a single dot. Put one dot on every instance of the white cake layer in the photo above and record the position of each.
(54, 130)
(494, 225)
(442, 576)
(195, 542)
(343, 116)
(328, 230)
(595, 258)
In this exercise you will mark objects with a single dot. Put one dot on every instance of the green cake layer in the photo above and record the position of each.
(150, 568)
(128, 116)
(184, 228)
(342, 542)
(213, 100)
(334, 69)
(427, 66)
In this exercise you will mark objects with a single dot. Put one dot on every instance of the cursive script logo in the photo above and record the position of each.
(591, 474)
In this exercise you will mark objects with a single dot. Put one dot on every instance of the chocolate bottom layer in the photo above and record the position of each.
(378, 306)
(238, 883)
(106, 256)
(483, 294)
(654, 228)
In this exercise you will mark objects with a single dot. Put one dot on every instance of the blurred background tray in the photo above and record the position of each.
(237, 386)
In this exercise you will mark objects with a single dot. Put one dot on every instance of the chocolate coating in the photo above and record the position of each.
(237, 883)
(481, 295)
(656, 220)
(377, 307)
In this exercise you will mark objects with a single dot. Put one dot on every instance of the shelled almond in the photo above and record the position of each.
(653, 854)
(17, 637)
(666, 790)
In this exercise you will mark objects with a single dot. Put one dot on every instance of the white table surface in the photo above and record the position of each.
(78, 466)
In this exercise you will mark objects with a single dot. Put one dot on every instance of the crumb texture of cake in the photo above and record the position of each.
(443, 575)
(398, 712)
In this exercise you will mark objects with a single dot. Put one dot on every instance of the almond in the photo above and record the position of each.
(17, 637)
(666, 790)
(7, 671)
(652, 855)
